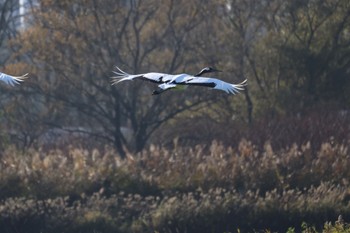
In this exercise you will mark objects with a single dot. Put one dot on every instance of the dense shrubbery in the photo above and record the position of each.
(327, 122)
(214, 189)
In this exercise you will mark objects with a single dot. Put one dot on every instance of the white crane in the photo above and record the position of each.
(12, 80)
(169, 81)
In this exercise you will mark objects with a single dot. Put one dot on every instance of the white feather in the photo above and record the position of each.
(165, 86)
(217, 84)
(12, 80)
(152, 77)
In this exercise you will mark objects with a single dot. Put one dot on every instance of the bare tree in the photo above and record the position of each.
(315, 51)
(8, 25)
(74, 46)
(8, 29)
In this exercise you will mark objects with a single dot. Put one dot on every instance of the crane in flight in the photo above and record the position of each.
(170, 81)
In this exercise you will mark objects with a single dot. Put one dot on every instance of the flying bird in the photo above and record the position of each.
(12, 80)
(170, 81)
(206, 70)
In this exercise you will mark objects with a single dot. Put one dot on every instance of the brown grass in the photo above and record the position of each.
(200, 189)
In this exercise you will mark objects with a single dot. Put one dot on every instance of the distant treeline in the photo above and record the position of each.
(294, 54)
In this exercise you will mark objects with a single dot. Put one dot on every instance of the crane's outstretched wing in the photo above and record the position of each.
(12, 80)
(217, 84)
(168, 81)
(164, 87)
(152, 77)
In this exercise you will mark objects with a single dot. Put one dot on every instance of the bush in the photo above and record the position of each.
(201, 189)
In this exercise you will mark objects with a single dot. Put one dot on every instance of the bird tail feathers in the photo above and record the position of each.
(121, 76)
